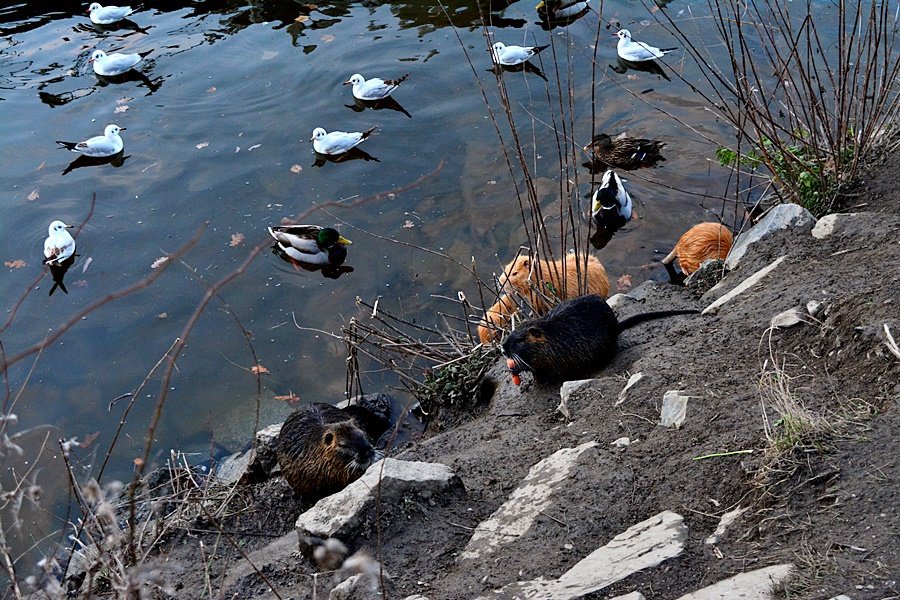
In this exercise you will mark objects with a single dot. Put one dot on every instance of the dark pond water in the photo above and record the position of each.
(217, 124)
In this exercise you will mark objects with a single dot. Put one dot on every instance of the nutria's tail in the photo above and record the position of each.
(650, 316)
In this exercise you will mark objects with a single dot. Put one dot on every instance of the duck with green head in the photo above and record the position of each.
(311, 244)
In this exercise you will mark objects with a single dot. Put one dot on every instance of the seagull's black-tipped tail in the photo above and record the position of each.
(67, 145)
(540, 48)
(144, 55)
(368, 132)
(397, 81)
(668, 49)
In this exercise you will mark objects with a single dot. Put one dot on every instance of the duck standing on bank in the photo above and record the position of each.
(110, 65)
(633, 51)
(107, 15)
(374, 88)
(311, 244)
(510, 56)
(101, 146)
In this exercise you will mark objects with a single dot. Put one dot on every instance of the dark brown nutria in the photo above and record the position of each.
(322, 448)
(572, 340)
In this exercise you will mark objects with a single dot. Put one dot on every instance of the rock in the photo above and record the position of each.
(711, 271)
(339, 515)
(631, 596)
(726, 520)
(674, 409)
(533, 495)
(841, 597)
(782, 216)
(641, 546)
(621, 442)
(788, 318)
(753, 585)
(256, 464)
(743, 286)
(416, 597)
(635, 377)
(565, 393)
(618, 300)
(364, 586)
(827, 225)
(815, 307)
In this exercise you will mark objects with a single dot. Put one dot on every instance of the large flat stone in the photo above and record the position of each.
(256, 464)
(752, 585)
(743, 286)
(516, 516)
(339, 515)
(641, 546)
(782, 216)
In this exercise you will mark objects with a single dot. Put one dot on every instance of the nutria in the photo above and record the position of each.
(572, 340)
(538, 280)
(701, 242)
(322, 448)
(496, 318)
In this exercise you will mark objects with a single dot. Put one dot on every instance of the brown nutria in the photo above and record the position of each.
(572, 340)
(496, 318)
(701, 242)
(322, 448)
(538, 280)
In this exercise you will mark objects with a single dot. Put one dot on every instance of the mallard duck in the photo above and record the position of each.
(561, 9)
(311, 244)
(374, 88)
(625, 152)
(611, 204)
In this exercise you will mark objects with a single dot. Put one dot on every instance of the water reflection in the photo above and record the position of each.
(525, 67)
(116, 160)
(132, 75)
(58, 272)
(646, 66)
(352, 154)
(385, 103)
(328, 271)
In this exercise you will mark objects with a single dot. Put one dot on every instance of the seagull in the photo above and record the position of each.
(106, 15)
(375, 88)
(108, 144)
(59, 244)
(110, 65)
(633, 51)
(611, 204)
(513, 55)
(337, 142)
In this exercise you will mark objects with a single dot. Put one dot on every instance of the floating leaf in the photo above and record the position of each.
(162, 315)
(631, 76)
(124, 100)
(87, 263)
(236, 239)
(138, 462)
(34, 195)
(89, 439)
(80, 283)
(253, 147)
(302, 18)
(15, 264)
(327, 38)
(408, 224)
(623, 283)
(268, 55)
(211, 90)
(121, 109)
(258, 370)
(296, 169)
(202, 145)
(291, 397)
(159, 262)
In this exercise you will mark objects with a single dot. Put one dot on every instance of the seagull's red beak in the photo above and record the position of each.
(347, 82)
(122, 128)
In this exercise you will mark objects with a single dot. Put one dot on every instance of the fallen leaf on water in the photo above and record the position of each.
(236, 239)
(15, 264)
(41, 166)
(87, 263)
(631, 77)
(302, 18)
(296, 169)
(408, 224)
(162, 316)
(237, 149)
(253, 147)
(623, 283)
(290, 397)
(202, 145)
(159, 262)
(34, 195)
(310, 6)
(211, 90)
(89, 439)
(258, 370)
(268, 55)
(327, 38)
(138, 463)
(124, 100)
(80, 283)
(121, 109)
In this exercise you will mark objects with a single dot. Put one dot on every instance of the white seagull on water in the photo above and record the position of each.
(59, 244)
(374, 88)
(633, 51)
(337, 142)
(513, 55)
(110, 65)
(106, 15)
(108, 144)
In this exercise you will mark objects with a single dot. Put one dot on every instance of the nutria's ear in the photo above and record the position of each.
(525, 263)
(328, 438)
(535, 332)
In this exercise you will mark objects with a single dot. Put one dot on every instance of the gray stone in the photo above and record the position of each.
(339, 515)
(743, 286)
(533, 495)
(416, 597)
(782, 216)
(635, 377)
(641, 546)
(631, 596)
(565, 394)
(753, 585)
(621, 442)
(815, 307)
(368, 585)
(726, 520)
(788, 318)
(674, 409)
(841, 597)
(827, 225)
(256, 464)
(618, 300)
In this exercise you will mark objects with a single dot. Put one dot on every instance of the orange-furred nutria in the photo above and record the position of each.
(701, 242)
(574, 339)
(322, 448)
(538, 279)
(496, 318)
